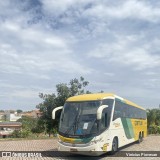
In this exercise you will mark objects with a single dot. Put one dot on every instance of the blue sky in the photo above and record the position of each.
(112, 44)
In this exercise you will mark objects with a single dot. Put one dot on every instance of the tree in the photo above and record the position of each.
(27, 122)
(39, 128)
(19, 111)
(46, 107)
(77, 86)
(51, 101)
(153, 118)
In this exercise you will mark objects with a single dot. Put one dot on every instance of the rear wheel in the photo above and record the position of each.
(140, 139)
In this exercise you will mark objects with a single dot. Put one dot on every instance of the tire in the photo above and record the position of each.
(114, 146)
(140, 139)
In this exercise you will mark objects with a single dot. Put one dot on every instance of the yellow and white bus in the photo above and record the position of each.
(98, 123)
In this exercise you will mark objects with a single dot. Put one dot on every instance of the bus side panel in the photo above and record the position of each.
(122, 128)
(139, 126)
(128, 127)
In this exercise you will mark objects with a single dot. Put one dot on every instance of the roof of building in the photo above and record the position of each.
(7, 124)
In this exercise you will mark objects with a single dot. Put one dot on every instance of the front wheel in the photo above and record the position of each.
(114, 146)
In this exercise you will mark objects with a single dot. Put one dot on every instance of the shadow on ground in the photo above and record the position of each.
(69, 155)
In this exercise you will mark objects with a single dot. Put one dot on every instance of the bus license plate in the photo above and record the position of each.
(73, 150)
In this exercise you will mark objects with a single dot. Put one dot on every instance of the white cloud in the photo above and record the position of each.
(61, 6)
(126, 51)
(24, 94)
(57, 6)
(44, 44)
(34, 49)
(128, 9)
(110, 74)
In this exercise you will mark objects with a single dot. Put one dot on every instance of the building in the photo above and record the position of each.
(12, 116)
(34, 113)
(2, 116)
(7, 128)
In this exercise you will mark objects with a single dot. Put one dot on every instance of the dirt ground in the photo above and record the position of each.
(150, 143)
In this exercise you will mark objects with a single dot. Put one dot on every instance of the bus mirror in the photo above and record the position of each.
(54, 111)
(99, 111)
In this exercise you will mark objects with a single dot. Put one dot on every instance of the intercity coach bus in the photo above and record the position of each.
(98, 123)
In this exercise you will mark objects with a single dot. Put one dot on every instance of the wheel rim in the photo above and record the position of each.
(114, 145)
(140, 138)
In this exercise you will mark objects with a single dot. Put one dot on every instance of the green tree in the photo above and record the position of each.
(16, 134)
(29, 125)
(21, 133)
(27, 122)
(19, 111)
(39, 127)
(76, 86)
(46, 107)
(157, 120)
(51, 101)
(153, 118)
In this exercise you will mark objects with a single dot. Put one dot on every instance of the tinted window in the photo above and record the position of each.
(127, 111)
(106, 114)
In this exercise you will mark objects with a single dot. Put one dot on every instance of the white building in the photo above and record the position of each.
(12, 117)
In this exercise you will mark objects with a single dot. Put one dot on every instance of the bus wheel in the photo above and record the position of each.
(140, 139)
(114, 146)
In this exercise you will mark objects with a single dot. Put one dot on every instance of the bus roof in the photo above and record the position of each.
(100, 96)
(90, 97)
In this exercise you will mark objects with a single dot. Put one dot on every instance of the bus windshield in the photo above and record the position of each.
(79, 118)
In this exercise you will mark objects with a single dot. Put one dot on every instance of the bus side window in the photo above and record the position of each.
(115, 115)
(117, 110)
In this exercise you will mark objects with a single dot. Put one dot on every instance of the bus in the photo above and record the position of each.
(93, 124)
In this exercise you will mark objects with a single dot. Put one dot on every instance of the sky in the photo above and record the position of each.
(115, 45)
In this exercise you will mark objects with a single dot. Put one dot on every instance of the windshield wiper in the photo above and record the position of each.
(76, 123)
(73, 124)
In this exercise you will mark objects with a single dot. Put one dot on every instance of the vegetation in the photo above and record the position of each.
(19, 111)
(153, 117)
(30, 126)
(51, 101)
(76, 87)
(45, 124)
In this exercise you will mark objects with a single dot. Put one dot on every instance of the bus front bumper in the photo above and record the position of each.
(91, 150)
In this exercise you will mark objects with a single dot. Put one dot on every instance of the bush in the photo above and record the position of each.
(153, 129)
(21, 134)
(25, 133)
(158, 129)
(16, 134)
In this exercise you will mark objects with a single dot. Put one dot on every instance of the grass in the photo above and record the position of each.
(33, 137)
